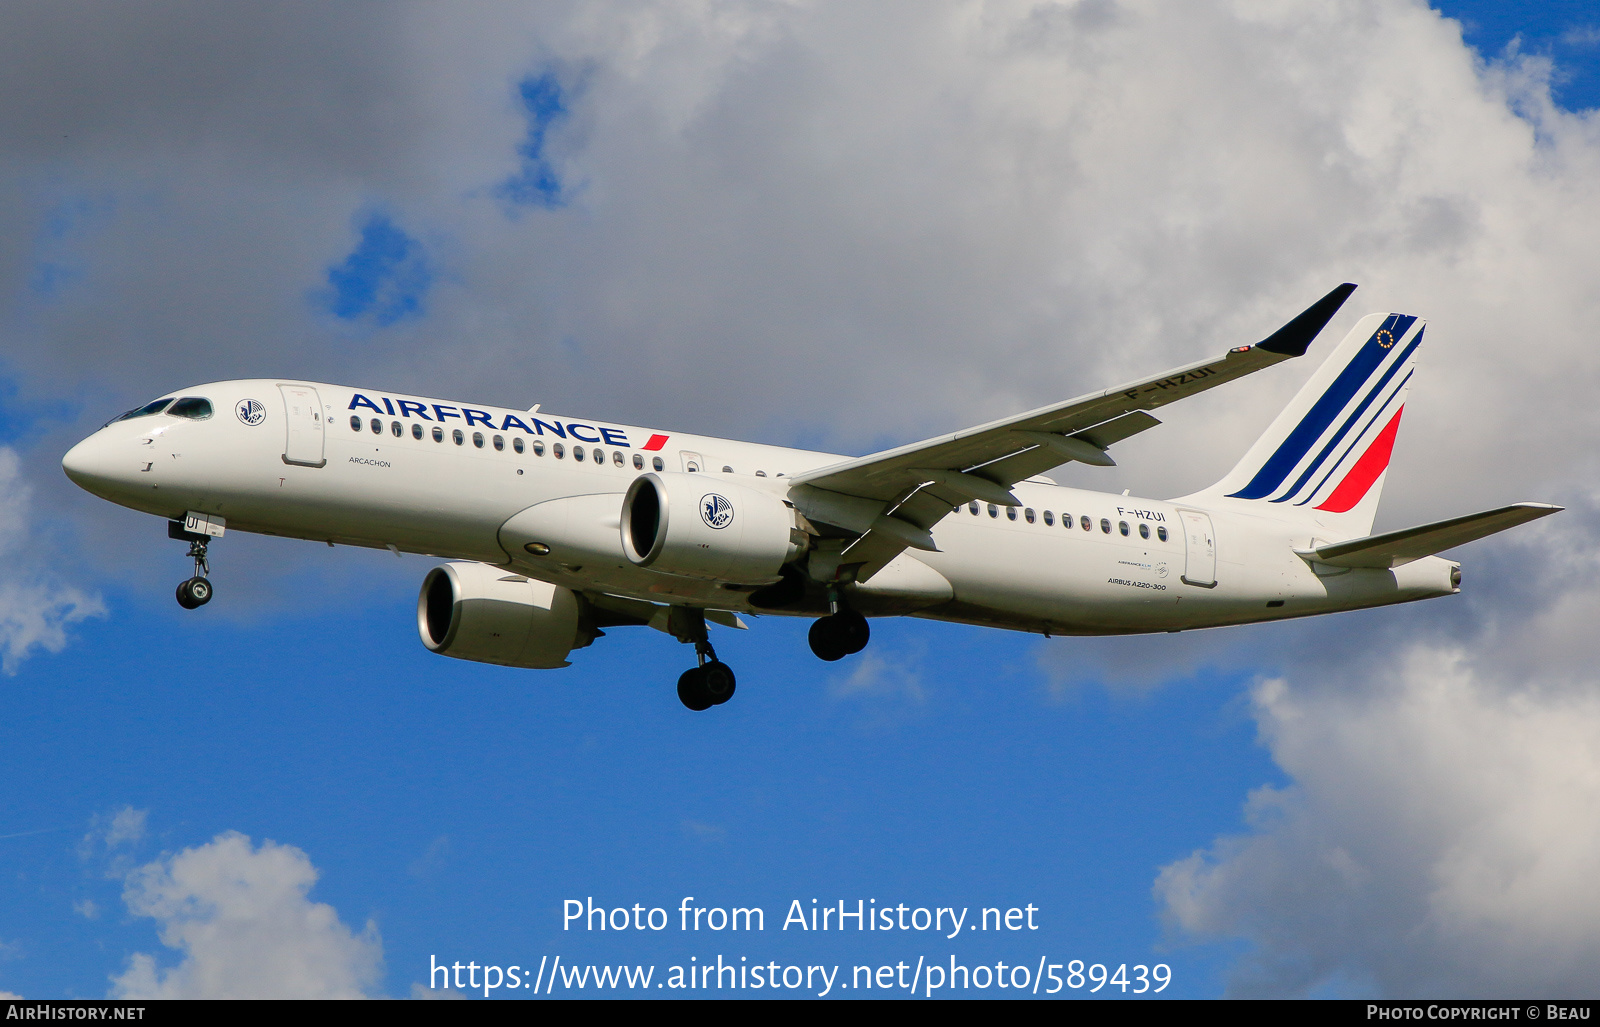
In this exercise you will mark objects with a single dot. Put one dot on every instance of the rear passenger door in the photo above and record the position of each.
(1200, 550)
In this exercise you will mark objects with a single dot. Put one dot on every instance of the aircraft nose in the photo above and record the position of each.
(96, 466)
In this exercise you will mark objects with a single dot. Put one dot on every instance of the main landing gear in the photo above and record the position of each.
(195, 592)
(842, 633)
(709, 683)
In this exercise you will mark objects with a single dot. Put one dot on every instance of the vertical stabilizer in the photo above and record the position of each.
(1323, 461)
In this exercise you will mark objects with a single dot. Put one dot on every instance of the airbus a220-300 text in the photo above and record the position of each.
(557, 528)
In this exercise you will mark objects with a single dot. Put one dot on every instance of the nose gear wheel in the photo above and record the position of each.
(196, 591)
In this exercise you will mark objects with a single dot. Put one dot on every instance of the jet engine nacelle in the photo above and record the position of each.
(701, 526)
(473, 611)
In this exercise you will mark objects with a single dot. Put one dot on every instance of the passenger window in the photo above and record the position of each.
(1105, 525)
(973, 506)
(477, 439)
(994, 511)
(192, 407)
(1049, 519)
(499, 443)
(599, 456)
(1161, 533)
(1028, 514)
(1066, 520)
(416, 430)
(1011, 513)
(1144, 530)
(657, 462)
(538, 447)
(616, 458)
(693, 467)
(559, 451)
(761, 474)
(377, 426)
(457, 437)
(355, 423)
(517, 445)
(396, 430)
(726, 469)
(1084, 521)
(638, 461)
(438, 434)
(577, 452)
(1122, 526)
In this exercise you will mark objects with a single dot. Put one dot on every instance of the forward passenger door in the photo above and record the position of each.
(303, 444)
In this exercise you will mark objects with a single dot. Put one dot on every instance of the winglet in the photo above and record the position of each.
(1292, 339)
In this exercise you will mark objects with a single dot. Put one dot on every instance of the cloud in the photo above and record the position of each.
(879, 675)
(1438, 839)
(433, 858)
(704, 832)
(113, 837)
(1582, 35)
(36, 607)
(422, 991)
(127, 827)
(242, 919)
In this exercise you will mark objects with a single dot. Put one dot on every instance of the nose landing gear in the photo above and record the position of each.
(195, 592)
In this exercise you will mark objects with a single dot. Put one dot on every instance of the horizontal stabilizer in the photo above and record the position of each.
(1394, 548)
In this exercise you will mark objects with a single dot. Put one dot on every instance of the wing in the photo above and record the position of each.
(890, 500)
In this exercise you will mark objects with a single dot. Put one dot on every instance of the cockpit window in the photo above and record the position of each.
(144, 411)
(193, 407)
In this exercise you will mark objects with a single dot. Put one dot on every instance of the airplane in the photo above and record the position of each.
(555, 529)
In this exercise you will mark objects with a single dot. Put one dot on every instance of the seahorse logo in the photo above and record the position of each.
(716, 511)
(251, 411)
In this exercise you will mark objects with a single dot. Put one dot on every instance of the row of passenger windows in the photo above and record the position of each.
(518, 445)
(1085, 522)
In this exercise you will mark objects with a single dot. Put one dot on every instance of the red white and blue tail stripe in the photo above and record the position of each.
(1327, 452)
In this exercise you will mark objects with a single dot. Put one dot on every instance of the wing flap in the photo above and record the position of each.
(1394, 548)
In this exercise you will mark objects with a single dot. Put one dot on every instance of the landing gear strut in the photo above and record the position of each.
(196, 591)
(842, 633)
(710, 682)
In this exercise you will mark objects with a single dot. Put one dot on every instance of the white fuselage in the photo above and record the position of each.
(1034, 568)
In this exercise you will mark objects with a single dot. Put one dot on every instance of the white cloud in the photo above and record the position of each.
(881, 675)
(433, 858)
(115, 837)
(127, 827)
(423, 992)
(1582, 35)
(1439, 838)
(36, 607)
(9, 995)
(246, 928)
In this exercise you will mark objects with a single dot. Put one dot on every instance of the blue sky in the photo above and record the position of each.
(716, 236)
